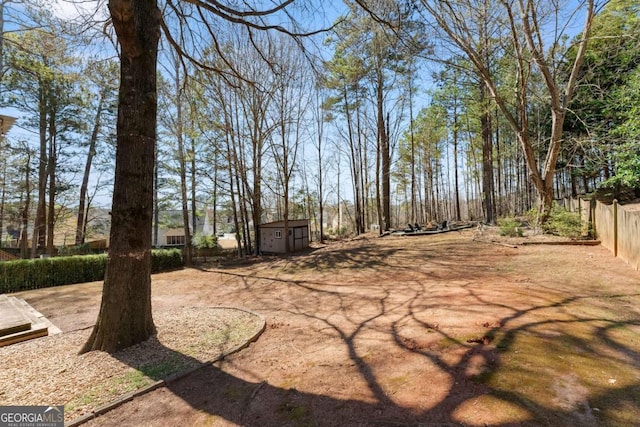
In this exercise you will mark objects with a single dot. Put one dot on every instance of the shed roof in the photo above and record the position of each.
(292, 224)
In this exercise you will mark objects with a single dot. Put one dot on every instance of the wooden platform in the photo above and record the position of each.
(11, 318)
(19, 322)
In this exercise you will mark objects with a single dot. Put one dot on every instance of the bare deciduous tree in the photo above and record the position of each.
(535, 30)
(125, 313)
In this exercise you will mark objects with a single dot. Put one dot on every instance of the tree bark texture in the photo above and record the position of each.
(125, 313)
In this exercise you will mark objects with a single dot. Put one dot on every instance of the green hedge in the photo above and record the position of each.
(166, 260)
(28, 274)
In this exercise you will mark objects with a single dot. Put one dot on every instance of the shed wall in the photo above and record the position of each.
(298, 238)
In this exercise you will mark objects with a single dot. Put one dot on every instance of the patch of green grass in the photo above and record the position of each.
(102, 393)
(567, 372)
(87, 399)
(130, 381)
(161, 370)
(127, 382)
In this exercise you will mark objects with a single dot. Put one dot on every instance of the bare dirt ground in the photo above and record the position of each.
(431, 330)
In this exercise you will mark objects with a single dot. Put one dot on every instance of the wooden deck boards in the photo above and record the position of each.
(12, 320)
(19, 322)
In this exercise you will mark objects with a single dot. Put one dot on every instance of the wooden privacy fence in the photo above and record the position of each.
(617, 226)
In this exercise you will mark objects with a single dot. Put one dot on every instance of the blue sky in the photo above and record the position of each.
(317, 14)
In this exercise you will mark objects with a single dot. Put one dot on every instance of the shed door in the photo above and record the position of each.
(300, 238)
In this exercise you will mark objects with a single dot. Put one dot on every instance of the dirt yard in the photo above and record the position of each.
(397, 331)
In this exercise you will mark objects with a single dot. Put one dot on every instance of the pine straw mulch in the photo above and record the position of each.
(49, 371)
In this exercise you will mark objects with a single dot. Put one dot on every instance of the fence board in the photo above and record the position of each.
(605, 225)
(629, 236)
(625, 243)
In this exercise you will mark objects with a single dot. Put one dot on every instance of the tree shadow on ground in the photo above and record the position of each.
(550, 360)
(315, 259)
(214, 392)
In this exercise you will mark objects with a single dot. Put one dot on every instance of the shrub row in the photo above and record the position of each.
(28, 274)
(166, 260)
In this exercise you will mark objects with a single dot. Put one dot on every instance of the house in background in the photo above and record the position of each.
(171, 237)
(272, 236)
(170, 229)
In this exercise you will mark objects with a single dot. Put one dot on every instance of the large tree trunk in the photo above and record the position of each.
(125, 313)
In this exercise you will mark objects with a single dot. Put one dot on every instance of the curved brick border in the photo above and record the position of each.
(103, 409)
